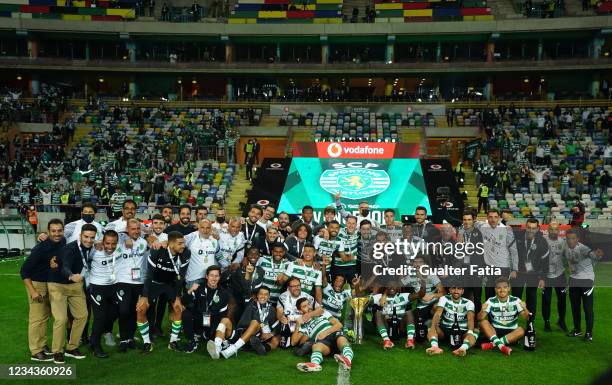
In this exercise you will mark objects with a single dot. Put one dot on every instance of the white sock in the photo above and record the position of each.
(218, 342)
(239, 344)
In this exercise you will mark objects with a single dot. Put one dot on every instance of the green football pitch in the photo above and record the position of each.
(557, 360)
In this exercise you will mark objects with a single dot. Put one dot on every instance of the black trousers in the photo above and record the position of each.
(156, 312)
(104, 305)
(558, 285)
(127, 295)
(581, 292)
(530, 280)
(192, 323)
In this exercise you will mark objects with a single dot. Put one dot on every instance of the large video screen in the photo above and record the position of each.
(383, 183)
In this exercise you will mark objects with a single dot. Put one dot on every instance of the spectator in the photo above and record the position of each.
(151, 8)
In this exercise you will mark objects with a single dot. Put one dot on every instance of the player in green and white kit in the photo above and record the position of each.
(499, 318)
(273, 267)
(335, 295)
(444, 318)
(327, 243)
(325, 332)
(305, 270)
(392, 300)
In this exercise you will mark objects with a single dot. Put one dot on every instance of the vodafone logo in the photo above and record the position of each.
(435, 166)
(334, 150)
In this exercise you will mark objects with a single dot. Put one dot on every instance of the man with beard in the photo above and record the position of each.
(35, 272)
(165, 274)
(133, 253)
(265, 244)
(555, 279)
(533, 256)
(327, 244)
(184, 225)
(423, 228)
(284, 227)
(68, 293)
(166, 212)
(266, 219)
(128, 211)
(251, 231)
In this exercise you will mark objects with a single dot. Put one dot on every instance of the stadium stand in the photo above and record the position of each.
(286, 11)
(366, 126)
(396, 11)
(69, 10)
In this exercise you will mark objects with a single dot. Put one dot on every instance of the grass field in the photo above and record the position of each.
(558, 359)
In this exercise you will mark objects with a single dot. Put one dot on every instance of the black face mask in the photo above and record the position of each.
(88, 218)
(365, 212)
(220, 219)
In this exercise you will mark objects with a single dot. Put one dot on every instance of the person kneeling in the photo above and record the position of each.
(499, 318)
(258, 326)
(326, 334)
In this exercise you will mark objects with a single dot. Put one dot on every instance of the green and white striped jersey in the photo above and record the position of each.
(117, 201)
(333, 301)
(316, 325)
(504, 315)
(271, 272)
(325, 247)
(309, 276)
(348, 245)
(400, 301)
(431, 287)
(461, 308)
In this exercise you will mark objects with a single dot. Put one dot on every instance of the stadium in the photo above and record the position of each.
(208, 191)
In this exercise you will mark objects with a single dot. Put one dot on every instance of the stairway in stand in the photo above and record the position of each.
(237, 194)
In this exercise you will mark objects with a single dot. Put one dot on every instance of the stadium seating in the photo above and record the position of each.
(286, 11)
(409, 11)
(368, 126)
(604, 7)
(76, 10)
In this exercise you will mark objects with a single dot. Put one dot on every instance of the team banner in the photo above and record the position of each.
(442, 190)
(383, 183)
(355, 150)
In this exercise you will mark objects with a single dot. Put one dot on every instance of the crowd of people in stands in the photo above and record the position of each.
(131, 151)
(548, 150)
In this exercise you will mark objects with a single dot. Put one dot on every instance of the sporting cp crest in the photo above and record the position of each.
(355, 183)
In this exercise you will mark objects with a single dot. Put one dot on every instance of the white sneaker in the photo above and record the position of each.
(230, 351)
(109, 339)
(212, 350)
